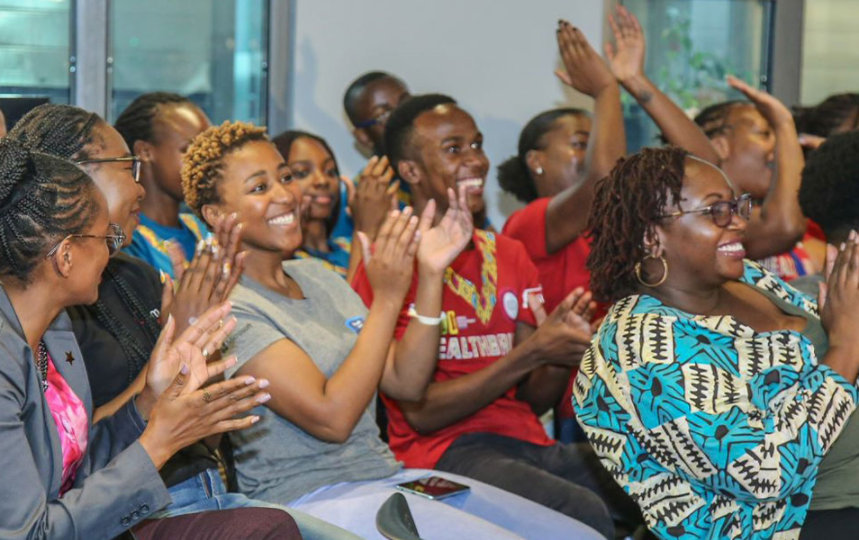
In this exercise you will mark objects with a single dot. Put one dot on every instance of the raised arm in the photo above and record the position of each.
(329, 407)
(409, 371)
(585, 71)
(777, 224)
(626, 60)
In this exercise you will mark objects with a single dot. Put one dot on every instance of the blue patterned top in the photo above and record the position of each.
(717, 431)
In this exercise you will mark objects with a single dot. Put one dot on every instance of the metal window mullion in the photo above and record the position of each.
(90, 57)
(279, 65)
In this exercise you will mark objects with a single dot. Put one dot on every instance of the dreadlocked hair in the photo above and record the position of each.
(626, 206)
(137, 121)
(828, 115)
(513, 174)
(60, 130)
(42, 199)
(714, 119)
(204, 160)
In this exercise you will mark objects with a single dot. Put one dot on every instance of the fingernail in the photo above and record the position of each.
(249, 380)
(184, 369)
(163, 276)
(226, 268)
(234, 215)
(263, 383)
(263, 398)
(201, 245)
(254, 419)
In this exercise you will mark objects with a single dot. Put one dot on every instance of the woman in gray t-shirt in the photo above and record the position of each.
(301, 327)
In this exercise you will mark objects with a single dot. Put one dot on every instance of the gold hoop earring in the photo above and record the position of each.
(664, 271)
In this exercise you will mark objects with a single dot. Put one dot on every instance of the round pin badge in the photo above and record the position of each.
(511, 304)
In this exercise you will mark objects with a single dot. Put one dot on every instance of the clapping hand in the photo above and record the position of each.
(563, 336)
(626, 56)
(585, 70)
(374, 196)
(440, 245)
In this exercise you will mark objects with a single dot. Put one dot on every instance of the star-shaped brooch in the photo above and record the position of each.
(70, 358)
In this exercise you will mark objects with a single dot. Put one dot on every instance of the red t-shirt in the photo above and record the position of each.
(560, 272)
(469, 344)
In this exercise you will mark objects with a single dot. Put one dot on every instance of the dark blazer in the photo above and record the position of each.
(116, 485)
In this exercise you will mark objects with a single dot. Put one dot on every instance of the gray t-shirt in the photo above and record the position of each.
(276, 460)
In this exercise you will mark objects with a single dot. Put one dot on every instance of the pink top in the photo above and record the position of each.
(72, 423)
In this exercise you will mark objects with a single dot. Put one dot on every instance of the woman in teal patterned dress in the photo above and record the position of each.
(717, 395)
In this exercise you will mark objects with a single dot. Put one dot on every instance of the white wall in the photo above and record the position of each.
(495, 57)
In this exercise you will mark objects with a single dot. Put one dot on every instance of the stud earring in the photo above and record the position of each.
(539, 171)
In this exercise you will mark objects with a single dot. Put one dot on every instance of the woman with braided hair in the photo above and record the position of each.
(118, 332)
(66, 477)
(158, 127)
(717, 395)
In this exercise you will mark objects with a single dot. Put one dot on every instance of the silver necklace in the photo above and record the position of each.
(42, 365)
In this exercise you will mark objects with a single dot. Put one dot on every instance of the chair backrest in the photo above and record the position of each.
(394, 519)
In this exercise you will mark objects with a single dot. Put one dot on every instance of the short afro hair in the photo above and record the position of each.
(829, 193)
(398, 130)
(356, 88)
(714, 119)
(204, 160)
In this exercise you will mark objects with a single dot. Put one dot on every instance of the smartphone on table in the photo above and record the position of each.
(433, 487)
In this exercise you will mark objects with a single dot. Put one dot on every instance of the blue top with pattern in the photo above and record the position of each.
(717, 431)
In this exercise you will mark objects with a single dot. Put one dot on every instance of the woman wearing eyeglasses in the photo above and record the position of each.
(713, 391)
(118, 332)
(63, 476)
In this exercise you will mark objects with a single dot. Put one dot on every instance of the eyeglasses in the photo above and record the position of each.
(723, 211)
(114, 241)
(135, 164)
(380, 118)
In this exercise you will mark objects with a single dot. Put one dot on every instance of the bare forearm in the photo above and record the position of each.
(450, 401)
(676, 127)
(544, 387)
(354, 258)
(780, 224)
(566, 216)
(417, 352)
(109, 408)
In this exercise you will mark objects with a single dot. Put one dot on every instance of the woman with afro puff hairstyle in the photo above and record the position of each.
(318, 447)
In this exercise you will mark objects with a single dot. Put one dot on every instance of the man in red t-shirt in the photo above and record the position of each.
(495, 371)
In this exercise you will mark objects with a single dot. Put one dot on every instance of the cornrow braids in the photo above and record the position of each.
(204, 159)
(513, 175)
(626, 206)
(137, 121)
(60, 130)
(714, 119)
(42, 199)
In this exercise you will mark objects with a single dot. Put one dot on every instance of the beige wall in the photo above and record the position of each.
(830, 55)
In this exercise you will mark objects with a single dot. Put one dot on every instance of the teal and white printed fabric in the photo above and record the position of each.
(717, 431)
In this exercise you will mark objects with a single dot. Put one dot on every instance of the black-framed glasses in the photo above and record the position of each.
(114, 240)
(380, 118)
(135, 164)
(721, 212)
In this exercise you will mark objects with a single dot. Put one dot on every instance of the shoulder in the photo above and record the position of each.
(756, 275)
(522, 223)
(511, 252)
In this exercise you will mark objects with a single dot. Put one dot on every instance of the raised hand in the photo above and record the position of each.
(374, 196)
(210, 278)
(564, 336)
(391, 264)
(585, 70)
(184, 414)
(626, 56)
(839, 312)
(768, 105)
(440, 245)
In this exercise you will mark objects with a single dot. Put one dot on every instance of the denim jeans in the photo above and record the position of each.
(206, 492)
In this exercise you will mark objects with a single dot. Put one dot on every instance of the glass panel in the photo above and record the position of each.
(34, 54)
(691, 46)
(213, 52)
(830, 49)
